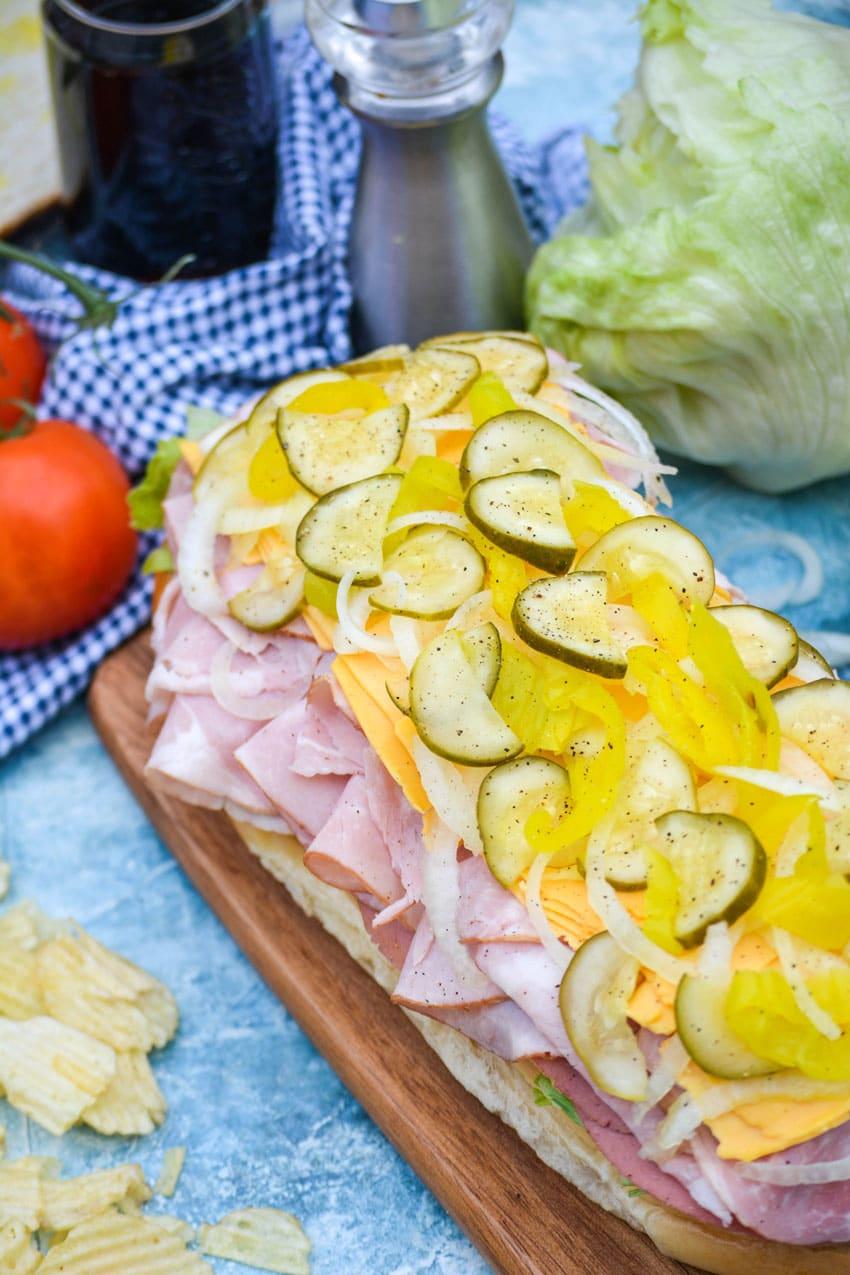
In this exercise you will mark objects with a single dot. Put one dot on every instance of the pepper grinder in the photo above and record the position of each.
(438, 241)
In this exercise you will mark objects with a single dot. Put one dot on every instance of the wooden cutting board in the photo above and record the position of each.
(523, 1216)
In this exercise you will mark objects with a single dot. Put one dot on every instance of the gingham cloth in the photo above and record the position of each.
(216, 342)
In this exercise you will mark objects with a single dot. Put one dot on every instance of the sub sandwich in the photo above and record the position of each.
(576, 805)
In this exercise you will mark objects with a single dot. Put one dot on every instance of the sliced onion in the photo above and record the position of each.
(715, 958)
(395, 580)
(772, 781)
(628, 499)
(406, 637)
(789, 963)
(352, 629)
(681, 1122)
(816, 1174)
(427, 517)
(196, 558)
(441, 897)
(482, 601)
(450, 794)
(242, 519)
(255, 708)
(451, 422)
(794, 845)
(673, 1059)
(560, 954)
(621, 926)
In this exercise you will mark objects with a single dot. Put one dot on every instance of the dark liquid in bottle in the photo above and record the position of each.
(170, 152)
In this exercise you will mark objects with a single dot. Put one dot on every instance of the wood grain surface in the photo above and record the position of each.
(523, 1216)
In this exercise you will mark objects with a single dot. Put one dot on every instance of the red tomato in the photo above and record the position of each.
(66, 547)
(22, 365)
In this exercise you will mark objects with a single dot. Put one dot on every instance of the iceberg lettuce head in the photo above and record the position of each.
(707, 282)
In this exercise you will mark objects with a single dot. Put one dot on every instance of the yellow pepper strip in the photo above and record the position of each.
(694, 723)
(761, 1010)
(655, 599)
(329, 397)
(522, 697)
(489, 397)
(812, 903)
(662, 899)
(591, 511)
(430, 483)
(269, 475)
(321, 593)
(506, 574)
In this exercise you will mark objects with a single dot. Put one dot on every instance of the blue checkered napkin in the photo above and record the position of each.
(217, 342)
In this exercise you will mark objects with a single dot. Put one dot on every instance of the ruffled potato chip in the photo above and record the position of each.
(51, 1071)
(88, 987)
(19, 994)
(18, 1253)
(114, 1243)
(174, 1225)
(266, 1238)
(133, 1103)
(22, 1189)
(25, 926)
(66, 1204)
(172, 1166)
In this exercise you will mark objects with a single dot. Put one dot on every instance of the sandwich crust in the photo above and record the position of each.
(506, 1090)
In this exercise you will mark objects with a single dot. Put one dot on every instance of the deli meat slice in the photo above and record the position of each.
(328, 743)
(794, 1215)
(503, 1029)
(400, 825)
(429, 980)
(488, 913)
(306, 803)
(349, 852)
(195, 749)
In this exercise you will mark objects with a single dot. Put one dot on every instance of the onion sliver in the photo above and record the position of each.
(449, 794)
(255, 708)
(241, 519)
(406, 637)
(789, 962)
(482, 601)
(816, 1174)
(429, 518)
(560, 954)
(441, 897)
(621, 926)
(355, 634)
(196, 557)
(715, 958)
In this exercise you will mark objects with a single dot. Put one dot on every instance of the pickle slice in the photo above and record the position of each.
(707, 1036)
(594, 1000)
(450, 707)
(519, 440)
(326, 452)
(482, 647)
(344, 530)
(522, 513)
(264, 608)
(720, 866)
(264, 414)
(507, 798)
(387, 358)
(399, 693)
(658, 780)
(436, 569)
(225, 466)
(811, 666)
(434, 381)
(817, 718)
(633, 550)
(517, 359)
(767, 643)
(565, 617)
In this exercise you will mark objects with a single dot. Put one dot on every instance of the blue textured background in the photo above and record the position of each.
(264, 1118)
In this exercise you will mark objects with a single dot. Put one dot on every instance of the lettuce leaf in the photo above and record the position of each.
(705, 283)
(145, 499)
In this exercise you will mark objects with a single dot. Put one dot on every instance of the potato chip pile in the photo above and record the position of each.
(76, 1025)
(92, 1225)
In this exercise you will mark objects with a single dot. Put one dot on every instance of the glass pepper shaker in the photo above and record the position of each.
(438, 241)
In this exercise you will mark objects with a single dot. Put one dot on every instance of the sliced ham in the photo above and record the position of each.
(267, 757)
(400, 825)
(328, 743)
(488, 913)
(196, 749)
(503, 1029)
(793, 1215)
(429, 981)
(349, 852)
(527, 974)
(392, 940)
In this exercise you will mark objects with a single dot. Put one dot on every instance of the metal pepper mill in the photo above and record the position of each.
(438, 241)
